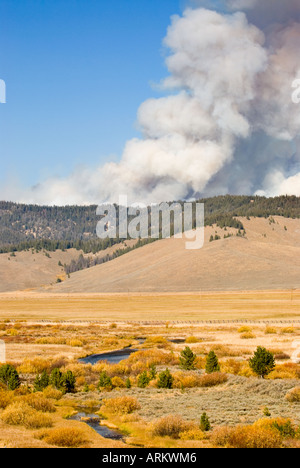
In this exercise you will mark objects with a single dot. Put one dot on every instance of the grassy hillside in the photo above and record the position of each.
(266, 257)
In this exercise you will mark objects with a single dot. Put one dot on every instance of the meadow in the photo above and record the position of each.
(239, 305)
(150, 396)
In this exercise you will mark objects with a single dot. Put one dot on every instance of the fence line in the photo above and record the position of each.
(162, 322)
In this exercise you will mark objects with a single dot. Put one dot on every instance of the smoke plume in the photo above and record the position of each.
(226, 122)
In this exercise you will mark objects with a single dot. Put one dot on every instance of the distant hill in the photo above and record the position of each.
(30, 269)
(251, 243)
(266, 257)
(51, 228)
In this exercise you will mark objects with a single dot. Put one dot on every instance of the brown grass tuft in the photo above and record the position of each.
(171, 426)
(293, 396)
(21, 414)
(120, 405)
(65, 437)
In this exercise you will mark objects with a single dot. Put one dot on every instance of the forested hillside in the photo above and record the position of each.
(50, 228)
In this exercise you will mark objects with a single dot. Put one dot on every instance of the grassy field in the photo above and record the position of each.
(234, 398)
(236, 401)
(255, 305)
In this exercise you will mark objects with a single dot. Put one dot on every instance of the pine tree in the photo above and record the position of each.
(212, 363)
(86, 388)
(143, 380)
(128, 383)
(187, 359)
(104, 381)
(68, 381)
(152, 372)
(9, 377)
(204, 423)
(165, 379)
(41, 381)
(263, 362)
(56, 379)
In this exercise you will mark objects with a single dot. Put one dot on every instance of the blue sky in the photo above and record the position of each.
(76, 72)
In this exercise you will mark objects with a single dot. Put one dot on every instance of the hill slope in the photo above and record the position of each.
(53, 227)
(267, 258)
(31, 269)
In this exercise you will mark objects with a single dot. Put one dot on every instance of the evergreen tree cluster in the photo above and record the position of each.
(9, 377)
(24, 227)
(63, 381)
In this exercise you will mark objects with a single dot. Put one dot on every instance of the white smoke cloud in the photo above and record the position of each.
(276, 183)
(229, 106)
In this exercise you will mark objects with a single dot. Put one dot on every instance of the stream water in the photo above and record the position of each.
(93, 420)
(113, 357)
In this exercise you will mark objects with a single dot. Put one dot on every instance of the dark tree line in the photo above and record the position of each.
(24, 227)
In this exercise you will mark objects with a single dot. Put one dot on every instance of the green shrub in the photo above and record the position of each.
(41, 381)
(212, 363)
(263, 362)
(64, 382)
(143, 380)
(152, 372)
(9, 377)
(104, 381)
(68, 381)
(285, 428)
(165, 379)
(204, 423)
(128, 383)
(56, 379)
(187, 359)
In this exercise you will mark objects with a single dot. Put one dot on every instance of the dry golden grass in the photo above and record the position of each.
(247, 437)
(32, 434)
(44, 270)
(65, 437)
(38, 402)
(171, 426)
(238, 400)
(19, 413)
(193, 380)
(120, 405)
(293, 395)
(255, 305)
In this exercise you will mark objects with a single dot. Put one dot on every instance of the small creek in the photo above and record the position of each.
(85, 415)
(114, 357)
(93, 420)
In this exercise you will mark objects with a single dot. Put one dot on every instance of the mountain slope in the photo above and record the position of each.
(31, 269)
(268, 257)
